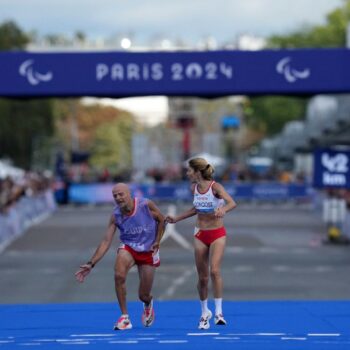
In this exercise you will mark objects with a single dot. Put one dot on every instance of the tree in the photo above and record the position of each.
(332, 34)
(80, 36)
(12, 37)
(24, 124)
(112, 145)
(103, 131)
(271, 113)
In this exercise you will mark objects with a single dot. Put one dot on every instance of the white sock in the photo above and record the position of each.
(218, 306)
(204, 306)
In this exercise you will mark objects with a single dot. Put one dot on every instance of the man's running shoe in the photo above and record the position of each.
(204, 321)
(219, 320)
(148, 314)
(123, 323)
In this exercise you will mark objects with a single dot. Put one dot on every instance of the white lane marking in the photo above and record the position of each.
(93, 339)
(71, 341)
(255, 334)
(177, 283)
(94, 335)
(170, 231)
(293, 338)
(123, 342)
(227, 338)
(201, 334)
(49, 340)
(172, 341)
(323, 334)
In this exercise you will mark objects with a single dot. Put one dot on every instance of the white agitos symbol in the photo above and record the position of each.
(34, 78)
(291, 74)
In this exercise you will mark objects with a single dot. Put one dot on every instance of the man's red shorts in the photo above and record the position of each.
(209, 236)
(142, 258)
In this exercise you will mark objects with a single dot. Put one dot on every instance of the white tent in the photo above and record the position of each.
(9, 170)
(260, 161)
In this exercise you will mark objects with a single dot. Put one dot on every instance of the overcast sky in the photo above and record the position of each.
(190, 20)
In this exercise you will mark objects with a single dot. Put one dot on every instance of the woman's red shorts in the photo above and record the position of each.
(209, 236)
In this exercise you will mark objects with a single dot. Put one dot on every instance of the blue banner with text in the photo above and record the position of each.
(200, 73)
(332, 168)
(102, 193)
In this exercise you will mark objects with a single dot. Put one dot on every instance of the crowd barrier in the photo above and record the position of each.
(102, 192)
(25, 213)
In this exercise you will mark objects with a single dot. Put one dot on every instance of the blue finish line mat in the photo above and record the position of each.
(315, 325)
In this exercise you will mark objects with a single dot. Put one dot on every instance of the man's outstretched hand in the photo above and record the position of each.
(83, 271)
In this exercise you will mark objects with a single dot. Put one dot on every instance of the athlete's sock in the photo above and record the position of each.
(218, 306)
(204, 307)
(149, 304)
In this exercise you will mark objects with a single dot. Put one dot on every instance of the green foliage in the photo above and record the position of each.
(22, 124)
(270, 114)
(112, 145)
(332, 34)
(25, 125)
(12, 37)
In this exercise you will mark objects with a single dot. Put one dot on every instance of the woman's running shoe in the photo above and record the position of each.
(219, 320)
(204, 321)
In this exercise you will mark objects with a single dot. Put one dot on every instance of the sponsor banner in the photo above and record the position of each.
(102, 193)
(331, 168)
(209, 73)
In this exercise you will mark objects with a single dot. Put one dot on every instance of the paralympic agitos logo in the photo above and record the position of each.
(26, 69)
(291, 74)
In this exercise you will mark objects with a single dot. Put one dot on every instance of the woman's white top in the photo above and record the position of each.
(206, 202)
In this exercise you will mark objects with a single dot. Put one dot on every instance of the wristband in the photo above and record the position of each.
(90, 263)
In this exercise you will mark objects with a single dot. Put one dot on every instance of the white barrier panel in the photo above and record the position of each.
(334, 210)
(27, 212)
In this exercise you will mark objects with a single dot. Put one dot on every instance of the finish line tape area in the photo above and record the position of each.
(251, 325)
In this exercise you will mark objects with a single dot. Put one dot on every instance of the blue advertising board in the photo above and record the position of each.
(331, 168)
(102, 193)
(199, 73)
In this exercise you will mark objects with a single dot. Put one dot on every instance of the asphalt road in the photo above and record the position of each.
(273, 253)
